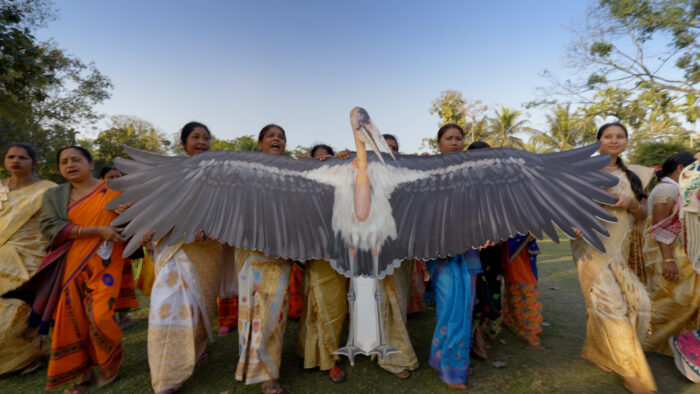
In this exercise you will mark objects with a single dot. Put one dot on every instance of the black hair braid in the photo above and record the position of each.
(635, 182)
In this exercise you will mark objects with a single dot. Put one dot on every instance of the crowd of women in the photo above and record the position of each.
(62, 272)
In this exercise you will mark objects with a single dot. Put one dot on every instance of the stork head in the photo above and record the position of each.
(366, 132)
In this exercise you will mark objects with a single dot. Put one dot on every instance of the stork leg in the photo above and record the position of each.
(383, 349)
(350, 350)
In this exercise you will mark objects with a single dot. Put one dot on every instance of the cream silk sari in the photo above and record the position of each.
(22, 247)
(617, 303)
(183, 305)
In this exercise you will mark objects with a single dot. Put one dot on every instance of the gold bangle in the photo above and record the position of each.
(79, 228)
(669, 260)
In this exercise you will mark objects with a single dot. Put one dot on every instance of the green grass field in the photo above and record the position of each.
(555, 369)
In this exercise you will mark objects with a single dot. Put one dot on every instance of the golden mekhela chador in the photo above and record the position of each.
(675, 304)
(323, 315)
(263, 293)
(617, 303)
(22, 247)
(394, 308)
(183, 306)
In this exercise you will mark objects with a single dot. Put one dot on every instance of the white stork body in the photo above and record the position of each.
(380, 225)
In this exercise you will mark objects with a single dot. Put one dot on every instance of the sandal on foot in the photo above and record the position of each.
(337, 375)
(272, 387)
(405, 374)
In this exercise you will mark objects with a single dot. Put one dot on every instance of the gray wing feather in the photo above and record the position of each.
(247, 199)
(493, 194)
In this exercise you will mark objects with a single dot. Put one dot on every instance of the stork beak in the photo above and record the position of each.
(368, 133)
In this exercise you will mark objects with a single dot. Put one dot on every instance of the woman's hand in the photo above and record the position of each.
(111, 234)
(147, 241)
(670, 271)
(121, 208)
(343, 154)
(199, 236)
(486, 245)
(623, 202)
(577, 232)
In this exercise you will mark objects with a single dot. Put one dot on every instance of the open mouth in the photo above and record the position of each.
(275, 146)
(72, 172)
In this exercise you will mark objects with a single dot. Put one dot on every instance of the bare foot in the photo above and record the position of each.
(405, 374)
(272, 386)
(460, 386)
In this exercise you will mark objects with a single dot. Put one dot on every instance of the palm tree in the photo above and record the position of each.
(504, 127)
(567, 130)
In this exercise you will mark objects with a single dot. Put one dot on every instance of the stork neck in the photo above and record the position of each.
(361, 154)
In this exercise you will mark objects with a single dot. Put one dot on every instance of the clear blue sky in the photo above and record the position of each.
(237, 66)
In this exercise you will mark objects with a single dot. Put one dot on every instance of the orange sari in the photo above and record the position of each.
(85, 333)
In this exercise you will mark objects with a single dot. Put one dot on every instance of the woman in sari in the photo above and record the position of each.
(454, 283)
(183, 297)
(522, 306)
(325, 308)
(127, 297)
(75, 288)
(263, 284)
(21, 250)
(674, 284)
(617, 303)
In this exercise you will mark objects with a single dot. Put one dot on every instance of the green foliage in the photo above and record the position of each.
(624, 74)
(503, 128)
(451, 107)
(601, 49)
(246, 143)
(677, 19)
(126, 130)
(567, 129)
(299, 151)
(655, 153)
(45, 95)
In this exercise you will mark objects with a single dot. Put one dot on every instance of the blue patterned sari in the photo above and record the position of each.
(454, 282)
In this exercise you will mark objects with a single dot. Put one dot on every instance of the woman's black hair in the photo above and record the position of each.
(671, 164)
(391, 137)
(635, 182)
(189, 128)
(84, 152)
(448, 126)
(322, 146)
(28, 148)
(264, 130)
(105, 170)
(478, 145)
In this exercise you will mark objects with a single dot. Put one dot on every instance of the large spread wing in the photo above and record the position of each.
(468, 198)
(247, 199)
